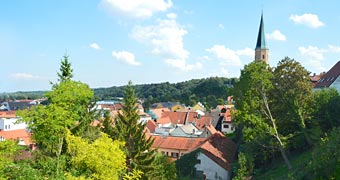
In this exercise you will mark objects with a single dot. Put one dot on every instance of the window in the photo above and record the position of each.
(2, 138)
(5, 126)
(198, 161)
(175, 155)
(263, 56)
(226, 126)
(9, 126)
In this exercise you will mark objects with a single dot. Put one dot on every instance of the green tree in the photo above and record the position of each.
(139, 155)
(164, 168)
(292, 97)
(325, 161)
(245, 167)
(102, 159)
(65, 69)
(254, 113)
(8, 151)
(326, 107)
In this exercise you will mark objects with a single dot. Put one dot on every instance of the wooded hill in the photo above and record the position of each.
(209, 91)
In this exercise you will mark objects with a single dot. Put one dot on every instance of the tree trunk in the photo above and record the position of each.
(284, 156)
(276, 135)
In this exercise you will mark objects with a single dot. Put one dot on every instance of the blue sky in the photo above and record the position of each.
(110, 42)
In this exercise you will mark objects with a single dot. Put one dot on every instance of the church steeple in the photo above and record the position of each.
(261, 51)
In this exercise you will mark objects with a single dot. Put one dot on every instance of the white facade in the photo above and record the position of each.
(9, 124)
(336, 84)
(212, 170)
(227, 127)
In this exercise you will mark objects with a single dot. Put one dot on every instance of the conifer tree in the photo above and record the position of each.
(139, 155)
(65, 69)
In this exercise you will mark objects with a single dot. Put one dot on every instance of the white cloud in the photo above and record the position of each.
(182, 65)
(314, 56)
(310, 20)
(221, 26)
(95, 46)
(312, 52)
(166, 40)
(276, 35)
(204, 58)
(26, 76)
(136, 8)
(171, 15)
(126, 57)
(246, 52)
(228, 56)
(333, 48)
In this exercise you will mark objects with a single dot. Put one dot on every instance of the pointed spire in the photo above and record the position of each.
(261, 43)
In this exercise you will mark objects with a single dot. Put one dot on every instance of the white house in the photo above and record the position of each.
(8, 122)
(331, 79)
(215, 157)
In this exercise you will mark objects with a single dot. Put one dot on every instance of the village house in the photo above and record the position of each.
(11, 129)
(331, 79)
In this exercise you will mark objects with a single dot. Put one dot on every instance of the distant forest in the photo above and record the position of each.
(209, 91)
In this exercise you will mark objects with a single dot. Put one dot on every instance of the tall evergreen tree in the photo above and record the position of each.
(139, 155)
(65, 69)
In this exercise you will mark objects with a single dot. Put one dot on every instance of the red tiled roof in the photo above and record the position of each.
(329, 77)
(16, 134)
(220, 149)
(227, 115)
(164, 120)
(151, 126)
(112, 107)
(180, 117)
(7, 114)
(203, 121)
(178, 143)
(159, 111)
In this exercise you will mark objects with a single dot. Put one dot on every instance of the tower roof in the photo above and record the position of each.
(261, 43)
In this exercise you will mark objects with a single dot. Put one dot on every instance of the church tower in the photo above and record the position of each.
(261, 51)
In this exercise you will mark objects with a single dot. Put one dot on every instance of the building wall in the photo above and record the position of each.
(227, 127)
(212, 170)
(336, 84)
(171, 152)
(8, 124)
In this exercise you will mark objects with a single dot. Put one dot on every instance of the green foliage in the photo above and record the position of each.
(244, 167)
(139, 155)
(254, 113)
(209, 91)
(326, 107)
(164, 168)
(48, 126)
(104, 158)
(326, 157)
(65, 69)
(134, 175)
(8, 150)
(186, 165)
(292, 98)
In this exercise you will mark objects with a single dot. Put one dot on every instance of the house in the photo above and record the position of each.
(175, 147)
(188, 130)
(10, 129)
(225, 123)
(331, 79)
(199, 106)
(17, 105)
(156, 113)
(215, 157)
(170, 105)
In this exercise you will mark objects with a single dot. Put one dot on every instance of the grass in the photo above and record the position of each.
(279, 170)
